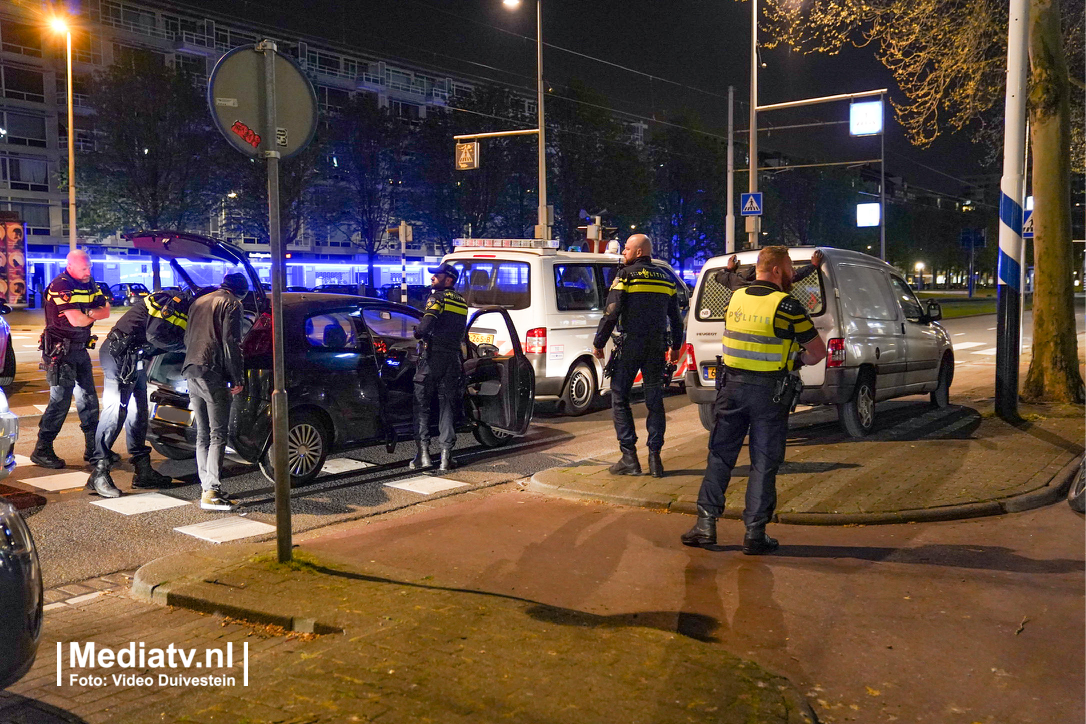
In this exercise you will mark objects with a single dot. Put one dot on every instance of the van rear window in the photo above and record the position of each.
(487, 283)
(714, 297)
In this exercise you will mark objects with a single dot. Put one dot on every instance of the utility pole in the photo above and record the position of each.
(729, 227)
(753, 222)
(1008, 303)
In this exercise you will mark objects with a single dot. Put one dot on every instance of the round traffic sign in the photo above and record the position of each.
(235, 94)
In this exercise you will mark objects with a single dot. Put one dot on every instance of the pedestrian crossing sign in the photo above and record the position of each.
(750, 204)
(1027, 225)
(467, 156)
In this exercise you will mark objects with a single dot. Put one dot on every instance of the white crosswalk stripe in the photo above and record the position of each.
(53, 483)
(968, 345)
(142, 503)
(426, 484)
(223, 530)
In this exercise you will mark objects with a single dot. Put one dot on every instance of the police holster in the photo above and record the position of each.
(54, 360)
(787, 390)
(616, 355)
(128, 354)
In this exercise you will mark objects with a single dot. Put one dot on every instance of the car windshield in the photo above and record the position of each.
(714, 297)
(486, 283)
(139, 288)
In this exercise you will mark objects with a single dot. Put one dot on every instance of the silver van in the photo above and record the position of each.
(882, 341)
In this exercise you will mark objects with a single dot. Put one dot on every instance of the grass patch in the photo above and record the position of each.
(299, 563)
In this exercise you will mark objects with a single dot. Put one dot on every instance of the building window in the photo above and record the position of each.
(128, 54)
(23, 85)
(20, 38)
(24, 130)
(410, 111)
(87, 48)
(25, 174)
(35, 216)
(192, 64)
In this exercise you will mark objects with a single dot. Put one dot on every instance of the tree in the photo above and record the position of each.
(156, 155)
(950, 60)
(365, 172)
(451, 202)
(246, 204)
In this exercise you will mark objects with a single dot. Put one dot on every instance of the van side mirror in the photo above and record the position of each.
(935, 312)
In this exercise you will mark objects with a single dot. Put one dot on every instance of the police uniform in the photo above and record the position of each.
(643, 302)
(124, 356)
(68, 365)
(763, 330)
(440, 367)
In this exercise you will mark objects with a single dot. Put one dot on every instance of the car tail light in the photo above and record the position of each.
(688, 352)
(259, 339)
(836, 349)
(535, 341)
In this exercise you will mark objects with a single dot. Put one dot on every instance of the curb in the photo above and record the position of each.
(154, 583)
(1052, 492)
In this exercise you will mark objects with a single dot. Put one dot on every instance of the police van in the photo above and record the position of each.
(882, 342)
(555, 299)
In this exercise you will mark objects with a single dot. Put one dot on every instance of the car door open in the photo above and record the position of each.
(500, 380)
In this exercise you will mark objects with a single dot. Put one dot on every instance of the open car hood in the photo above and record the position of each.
(174, 245)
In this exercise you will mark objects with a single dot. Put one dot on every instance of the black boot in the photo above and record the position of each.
(704, 531)
(146, 476)
(44, 457)
(757, 543)
(656, 466)
(447, 462)
(100, 483)
(88, 450)
(422, 457)
(628, 465)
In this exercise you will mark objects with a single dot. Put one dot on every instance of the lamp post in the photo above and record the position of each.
(543, 230)
(753, 222)
(60, 26)
(919, 275)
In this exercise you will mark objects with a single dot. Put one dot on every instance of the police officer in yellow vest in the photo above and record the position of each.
(440, 367)
(766, 331)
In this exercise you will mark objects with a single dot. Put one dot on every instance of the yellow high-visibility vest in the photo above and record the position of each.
(750, 337)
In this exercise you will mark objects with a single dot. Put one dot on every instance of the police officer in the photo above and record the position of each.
(440, 367)
(764, 329)
(643, 301)
(133, 341)
(73, 302)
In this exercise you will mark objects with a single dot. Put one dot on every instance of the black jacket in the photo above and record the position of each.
(643, 298)
(213, 339)
(444, 321)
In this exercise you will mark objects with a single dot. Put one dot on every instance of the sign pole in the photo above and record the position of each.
(729, 226)
(1008, 307)
(972, 253)
(403, 262)
(279, 372)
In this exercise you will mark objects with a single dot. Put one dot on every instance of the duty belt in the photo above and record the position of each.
(749, 379)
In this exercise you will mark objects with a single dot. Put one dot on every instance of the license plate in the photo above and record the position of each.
(709, 372)
(173, 414)
(480, 338)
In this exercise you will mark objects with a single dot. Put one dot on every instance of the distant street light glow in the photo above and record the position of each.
(511, 4)
(58, 25)
(867, 214)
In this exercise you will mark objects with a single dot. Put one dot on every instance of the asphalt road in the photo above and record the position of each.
(80, 540)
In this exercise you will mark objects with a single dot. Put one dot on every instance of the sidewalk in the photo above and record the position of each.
(405, 649)
(920, 465)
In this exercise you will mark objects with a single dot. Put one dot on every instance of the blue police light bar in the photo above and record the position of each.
(865, 119)
(867, 214)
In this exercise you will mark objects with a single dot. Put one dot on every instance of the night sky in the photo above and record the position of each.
(702, 44)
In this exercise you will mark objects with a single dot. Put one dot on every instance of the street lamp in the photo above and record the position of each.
(753, 222)
(919, 275)
(59, 25)
(543, 230)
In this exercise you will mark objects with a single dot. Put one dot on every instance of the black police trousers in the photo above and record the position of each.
(646, 356)
(74, 371)
(438, 372)
(116, 395)
(741, 408)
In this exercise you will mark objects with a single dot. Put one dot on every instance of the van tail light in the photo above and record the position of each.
(535, 341)
(836, 352)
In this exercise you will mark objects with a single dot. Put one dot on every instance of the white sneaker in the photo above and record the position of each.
(217, 500)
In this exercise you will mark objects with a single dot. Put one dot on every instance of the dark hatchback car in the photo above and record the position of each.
(350, 378)
(21, 597)
(125, 295)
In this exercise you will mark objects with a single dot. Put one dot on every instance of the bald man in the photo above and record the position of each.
(643, 303)
(73, 302)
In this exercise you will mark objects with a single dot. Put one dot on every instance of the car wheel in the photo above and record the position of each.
(308, 443)
(8, 375)
(705, 414)
(171, 452)
(489, 437)
(940, 396)
(858, 414)
(1076, 496)
(580, 392)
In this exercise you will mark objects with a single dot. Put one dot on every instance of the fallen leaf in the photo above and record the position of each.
(872, 692)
